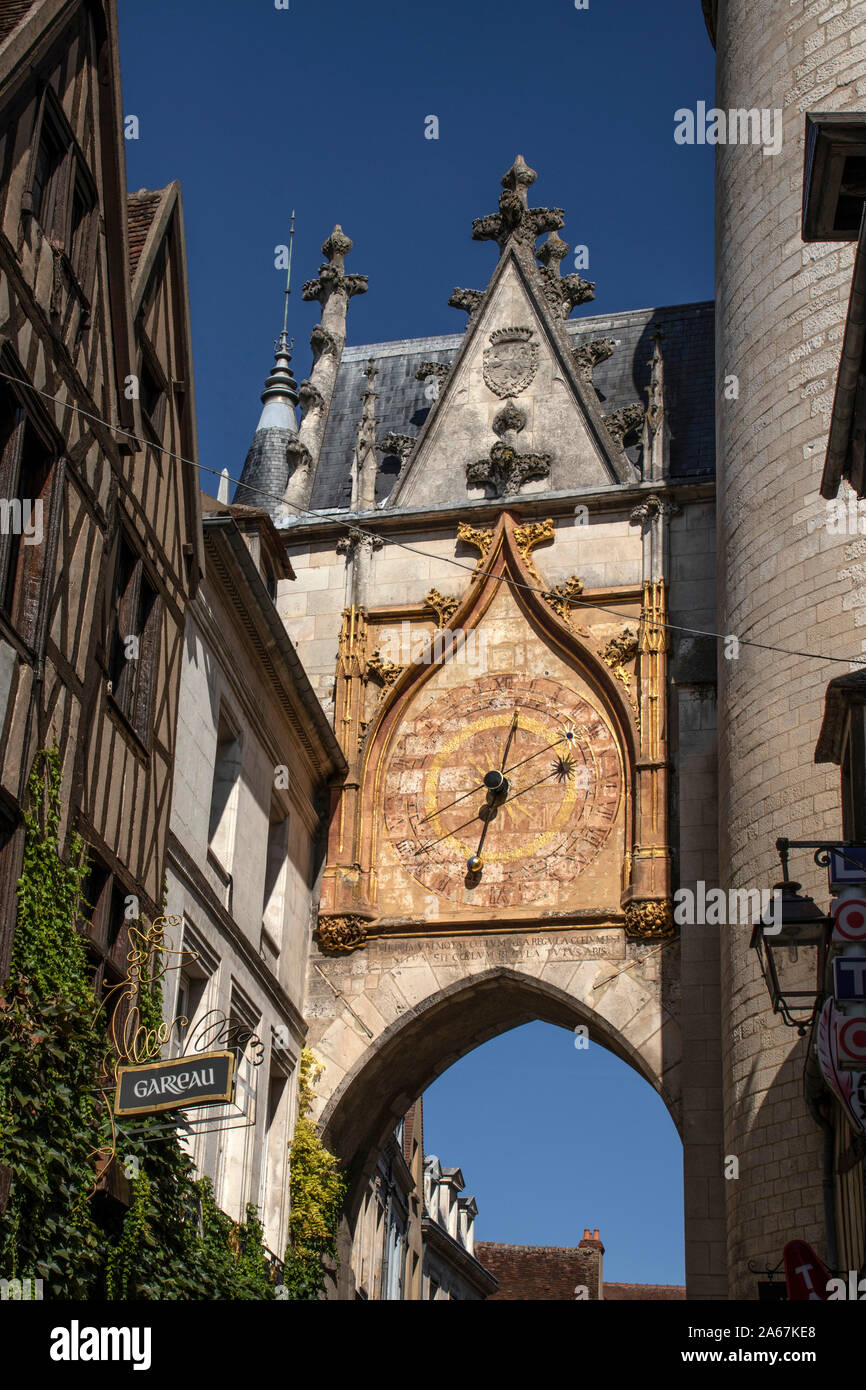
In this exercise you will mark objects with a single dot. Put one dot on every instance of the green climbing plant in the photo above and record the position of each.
(173, 1242)
(50, 1120)
(318, 1190)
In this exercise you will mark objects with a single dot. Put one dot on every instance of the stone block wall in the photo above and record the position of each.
(780, 312)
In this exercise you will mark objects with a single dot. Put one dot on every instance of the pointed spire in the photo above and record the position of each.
(266, 467)
(333, 288)
(280, 395)
(223, 489)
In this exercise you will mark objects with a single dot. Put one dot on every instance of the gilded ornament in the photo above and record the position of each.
(443, 606)
(650, 919)
(341, 934)
(618, 652)
(563, 598)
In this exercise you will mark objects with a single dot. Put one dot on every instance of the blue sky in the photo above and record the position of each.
(322, 109)
(551, 1139)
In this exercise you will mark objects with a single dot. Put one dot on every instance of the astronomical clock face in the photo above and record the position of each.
(501, 791)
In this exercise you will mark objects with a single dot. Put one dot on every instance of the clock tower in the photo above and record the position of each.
(502, 543)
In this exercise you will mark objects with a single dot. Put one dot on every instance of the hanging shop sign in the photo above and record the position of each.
(849, 918)
(847, 865)
(849, 1087)
(205, 1078)
(851, 1040)
(849, 978)
(806, 1275)
(213, 1083)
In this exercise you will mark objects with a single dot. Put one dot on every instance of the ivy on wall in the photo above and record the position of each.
(318, 1191)
(173, 1242)
(50, 1121)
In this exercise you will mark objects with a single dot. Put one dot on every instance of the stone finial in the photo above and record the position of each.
(562, 292)
(519, 177)
(332, 277)
(337, 246)
(515, 219)
(506, 470)
(333, 289)
(588, 355)
(552, 251)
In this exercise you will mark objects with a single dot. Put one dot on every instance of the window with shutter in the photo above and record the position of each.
(62, 195)
(134, 647)
(26, 477)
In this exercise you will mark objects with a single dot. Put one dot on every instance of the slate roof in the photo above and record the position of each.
(688, 351)
(140, 211)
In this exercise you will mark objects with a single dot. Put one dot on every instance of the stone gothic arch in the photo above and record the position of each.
(622, 1007)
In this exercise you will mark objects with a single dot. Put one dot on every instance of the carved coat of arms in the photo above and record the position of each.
(511, 361)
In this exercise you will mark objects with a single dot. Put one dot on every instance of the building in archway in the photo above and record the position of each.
(562, 1274)
(414, 1236)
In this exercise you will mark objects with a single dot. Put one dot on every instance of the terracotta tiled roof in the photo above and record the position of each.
(553, 1273)
(657, 1293)
(141, 210)
(546, 1273)
(11, 14)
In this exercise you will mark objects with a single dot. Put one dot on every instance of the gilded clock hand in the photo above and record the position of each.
(496, 780)
(497, 789)
(475, 862)
(497, 784)
(472, 790)
(465, 825)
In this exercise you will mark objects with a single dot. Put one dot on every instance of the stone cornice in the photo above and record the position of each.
(484, 512)
(457, 1255)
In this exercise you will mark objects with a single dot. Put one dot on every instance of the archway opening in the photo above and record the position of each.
(555, 1135)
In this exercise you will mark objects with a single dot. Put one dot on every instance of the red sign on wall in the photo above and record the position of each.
(805, 1274)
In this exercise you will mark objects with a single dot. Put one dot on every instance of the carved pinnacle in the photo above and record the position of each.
(468, 300)
(622, 423)
(588, 355)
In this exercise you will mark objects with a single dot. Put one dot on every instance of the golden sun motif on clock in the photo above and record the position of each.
(499, 793)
